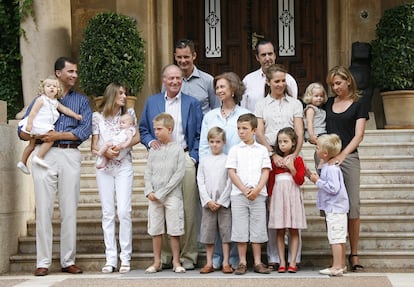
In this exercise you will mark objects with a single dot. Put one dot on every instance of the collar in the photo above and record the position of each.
(194, 74)
(170, 100)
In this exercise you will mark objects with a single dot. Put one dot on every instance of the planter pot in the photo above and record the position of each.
(130, 101)
(399, 109)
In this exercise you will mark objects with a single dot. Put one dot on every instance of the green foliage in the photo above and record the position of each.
(112, 50)
(10, 73)
(393, 49)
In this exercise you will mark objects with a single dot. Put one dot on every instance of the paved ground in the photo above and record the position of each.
(167, 278)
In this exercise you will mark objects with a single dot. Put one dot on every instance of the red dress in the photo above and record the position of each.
(286, 202)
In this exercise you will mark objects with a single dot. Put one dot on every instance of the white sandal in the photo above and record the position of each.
(108, 269)
(152, 269)
(179, 269)
(124, 269)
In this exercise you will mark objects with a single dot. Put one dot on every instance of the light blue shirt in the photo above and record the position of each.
(332, 195)
(214, 118)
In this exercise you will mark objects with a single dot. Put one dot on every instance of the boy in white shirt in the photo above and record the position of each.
(248, 165)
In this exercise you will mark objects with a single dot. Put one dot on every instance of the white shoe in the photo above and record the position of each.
(23, 167)
(39, 161)
(124, 268)
(331, 272)
(108, 269)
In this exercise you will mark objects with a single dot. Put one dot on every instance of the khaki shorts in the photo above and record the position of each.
(211, 222)
(170, 213)
(337, 225)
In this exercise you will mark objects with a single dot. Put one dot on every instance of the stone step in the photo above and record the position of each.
(86, 244)
(376, 162)
(91, 195)
(370, 223)
(88, 166)
(372, 149)
(370, 191)
(93, 210)
(368, 207)
(88, 180)
(380, 176)
(372, 259)
(373, 207)
(381, 136)
(89, 262)
(368, 240)
(90, 226)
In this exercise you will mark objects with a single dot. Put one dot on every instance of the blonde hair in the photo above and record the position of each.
(307, 96)
(41, 88)
(216, 132)
(331, 143)
(346, 75)
(165, 119)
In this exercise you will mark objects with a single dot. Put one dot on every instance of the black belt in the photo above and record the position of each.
(72, 145)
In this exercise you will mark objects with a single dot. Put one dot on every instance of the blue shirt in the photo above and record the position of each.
(332, 195)
(80, 105)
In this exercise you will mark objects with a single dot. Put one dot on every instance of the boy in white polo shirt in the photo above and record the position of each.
(248, 165)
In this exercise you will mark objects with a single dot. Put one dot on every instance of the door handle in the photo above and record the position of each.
(255, 38)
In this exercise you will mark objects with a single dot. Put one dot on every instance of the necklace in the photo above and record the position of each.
(226, 115)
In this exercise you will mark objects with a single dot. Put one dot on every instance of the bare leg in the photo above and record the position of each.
(226, 253)
(28, 151)
(44, 148)
(257, 253)
(102, 149)
(337, 256)
(294, 245)
(209, 254)
(156, 246)
(353, 229)
(280, 241)
(175, 248)
(242, 248)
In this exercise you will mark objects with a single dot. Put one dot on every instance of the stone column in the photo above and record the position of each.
(46, 39)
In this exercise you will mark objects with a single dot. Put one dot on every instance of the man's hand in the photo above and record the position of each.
(50, 136)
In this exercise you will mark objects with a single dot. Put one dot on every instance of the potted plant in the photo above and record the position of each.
(112, 50)
(393, 64)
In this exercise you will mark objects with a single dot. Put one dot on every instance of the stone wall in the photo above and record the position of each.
(16, 193)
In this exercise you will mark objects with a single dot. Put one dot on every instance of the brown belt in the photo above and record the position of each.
(66, 145)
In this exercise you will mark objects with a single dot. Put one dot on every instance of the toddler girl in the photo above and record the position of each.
(41, 119)
(315, 96)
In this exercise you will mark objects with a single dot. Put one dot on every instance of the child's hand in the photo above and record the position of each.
(213, 206)
(79, 117)
(252, 195)
(314, 177)
(152, 197)
(29, 127)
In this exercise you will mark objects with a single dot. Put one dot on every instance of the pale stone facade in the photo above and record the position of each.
(58, 32)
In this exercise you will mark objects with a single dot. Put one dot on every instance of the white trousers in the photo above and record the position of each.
(116, 183)
(62, 177)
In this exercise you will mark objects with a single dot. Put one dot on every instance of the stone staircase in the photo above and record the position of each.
(387, 211)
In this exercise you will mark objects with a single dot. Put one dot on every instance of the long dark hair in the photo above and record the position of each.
(290, 132)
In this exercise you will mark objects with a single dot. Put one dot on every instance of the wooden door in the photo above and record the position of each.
(241, 19)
